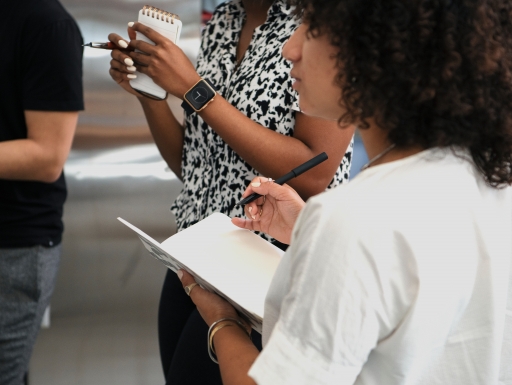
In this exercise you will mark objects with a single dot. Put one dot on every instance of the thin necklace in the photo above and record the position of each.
(378, 157)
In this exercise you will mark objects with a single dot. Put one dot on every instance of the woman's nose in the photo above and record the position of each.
(292, 50)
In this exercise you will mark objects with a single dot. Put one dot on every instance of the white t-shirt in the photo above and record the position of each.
(399, 277)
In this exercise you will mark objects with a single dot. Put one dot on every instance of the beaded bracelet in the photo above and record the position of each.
(215, 327)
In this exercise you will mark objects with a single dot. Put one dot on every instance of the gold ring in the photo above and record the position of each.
(189, 288)
(261, 212)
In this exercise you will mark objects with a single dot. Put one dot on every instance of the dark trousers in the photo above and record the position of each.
(27, 278)
(182, 338)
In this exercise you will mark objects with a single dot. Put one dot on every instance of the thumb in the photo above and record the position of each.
(247, 224)
(185, 277)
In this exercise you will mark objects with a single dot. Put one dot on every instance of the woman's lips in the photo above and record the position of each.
(296, 84)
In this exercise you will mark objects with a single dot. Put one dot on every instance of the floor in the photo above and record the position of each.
(98, 349)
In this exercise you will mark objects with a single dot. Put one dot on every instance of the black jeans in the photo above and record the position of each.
(182, 338)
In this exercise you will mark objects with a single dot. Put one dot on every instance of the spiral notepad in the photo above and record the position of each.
(168, 25)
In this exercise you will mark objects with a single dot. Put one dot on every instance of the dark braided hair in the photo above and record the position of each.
(430, 72)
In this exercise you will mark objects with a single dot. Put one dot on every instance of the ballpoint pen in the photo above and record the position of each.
(107, 45)
(292, 174)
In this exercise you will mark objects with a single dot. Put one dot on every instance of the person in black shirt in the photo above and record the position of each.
(41, 94)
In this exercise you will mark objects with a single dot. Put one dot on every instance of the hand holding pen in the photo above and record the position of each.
(274, 212)
(122, 66)
(272, 208)
(129, 67)
(292, 174)
(164, 62)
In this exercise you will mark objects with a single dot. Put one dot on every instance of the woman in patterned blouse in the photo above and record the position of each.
(252, 127)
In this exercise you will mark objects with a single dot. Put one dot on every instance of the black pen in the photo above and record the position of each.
(292, 174)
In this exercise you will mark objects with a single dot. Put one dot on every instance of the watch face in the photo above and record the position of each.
(200, 95)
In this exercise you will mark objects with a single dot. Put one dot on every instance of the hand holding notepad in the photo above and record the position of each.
(169, 26)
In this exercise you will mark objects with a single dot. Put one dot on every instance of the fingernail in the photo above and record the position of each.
(270, 180)
(131, 68)
(180, 274)
(131, 76)
(130, 24)
(128, 62)
(122, 44)
(256, 184)
(250, 212)
(250, 209)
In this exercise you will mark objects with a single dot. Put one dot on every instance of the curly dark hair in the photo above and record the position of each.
(430, 72)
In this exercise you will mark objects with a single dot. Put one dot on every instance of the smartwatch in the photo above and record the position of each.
(199, 96)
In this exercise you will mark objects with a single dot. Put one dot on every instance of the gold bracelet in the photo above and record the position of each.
(215, 330)
(215, 327)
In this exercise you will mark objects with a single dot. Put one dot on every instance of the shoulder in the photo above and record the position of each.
(329, 203)
(214, 33)
(34, 17)
(328, 217)
(51, 60)
(223, 8)
(49, 21)
(43, 13)
(396, 204)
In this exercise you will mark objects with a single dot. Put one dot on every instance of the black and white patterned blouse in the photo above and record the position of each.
(214, 176)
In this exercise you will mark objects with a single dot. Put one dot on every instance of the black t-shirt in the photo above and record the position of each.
(40, 69)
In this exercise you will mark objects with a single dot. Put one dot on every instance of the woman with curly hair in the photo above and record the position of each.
(403, 275)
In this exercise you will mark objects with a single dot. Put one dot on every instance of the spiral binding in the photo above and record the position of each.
(159, 14)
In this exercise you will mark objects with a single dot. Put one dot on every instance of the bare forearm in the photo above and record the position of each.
(236, 354)
(166, 130)
(269, 152)
(41, 156)
(273, 154)
(25, 159)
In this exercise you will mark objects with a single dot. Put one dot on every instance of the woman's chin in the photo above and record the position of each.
(317, 112)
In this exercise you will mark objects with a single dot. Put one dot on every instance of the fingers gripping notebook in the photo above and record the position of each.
(168, 25)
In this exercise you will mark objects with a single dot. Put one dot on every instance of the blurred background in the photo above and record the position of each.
(102, 327)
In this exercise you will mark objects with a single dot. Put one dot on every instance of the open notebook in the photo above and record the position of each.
(168, 25)
(234, 263)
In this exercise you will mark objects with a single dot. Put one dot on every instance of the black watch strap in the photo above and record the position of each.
(187, 107)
